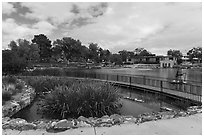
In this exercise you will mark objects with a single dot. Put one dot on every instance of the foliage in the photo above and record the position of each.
(175, 53)
(85, 98)
(195, 52)
(45, 84)
(117, 59)
(94, 52)
(10, 87)
(44, 45)
(69, 47)
(142, 52)
(126, 54)
(45, 72)
(12, 63)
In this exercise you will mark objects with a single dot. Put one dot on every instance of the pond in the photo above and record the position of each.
(152, 103)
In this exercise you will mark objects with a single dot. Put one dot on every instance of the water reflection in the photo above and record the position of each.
(152, 102)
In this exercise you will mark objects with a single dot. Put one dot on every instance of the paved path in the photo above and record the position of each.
(191, 125)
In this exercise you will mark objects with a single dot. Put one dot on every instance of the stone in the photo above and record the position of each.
(180, 114)
(82, 124)
(117, 119)
(5, 120)
(29, 126)
(82, 118)
(19, 124)
(41, 125)
(129, 119)
(148, 118)
(64, 124)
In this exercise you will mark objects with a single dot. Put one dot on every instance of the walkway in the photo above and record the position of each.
(191, 125)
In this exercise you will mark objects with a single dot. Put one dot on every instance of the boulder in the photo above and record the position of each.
(148, 118)
(64, 124)
(117, 119)
(82, 118)
(130, 119)
(19, 124)
(5, 120)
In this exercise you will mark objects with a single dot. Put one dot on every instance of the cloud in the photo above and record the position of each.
(13, 31)
(116, 26)
(7, 8)
(59, 13)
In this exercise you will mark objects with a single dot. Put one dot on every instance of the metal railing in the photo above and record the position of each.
(148, 82)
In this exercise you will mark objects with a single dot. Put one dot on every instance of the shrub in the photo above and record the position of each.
(85, 98)
(6, 95)
(9, 80)
(45, 72)
(45, 84)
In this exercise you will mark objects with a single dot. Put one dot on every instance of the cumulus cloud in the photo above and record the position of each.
(13, 31)
(116, 26)
(68, 13)
(7, 8)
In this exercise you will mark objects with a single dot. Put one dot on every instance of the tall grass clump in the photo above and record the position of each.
(86, 98)
(10, 87)
(45, 72)
(44, 84)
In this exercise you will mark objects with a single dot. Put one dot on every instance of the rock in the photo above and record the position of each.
(117, 119)
(82, 118)
(63, 124)
(194, 109)
(148, 118)
(29, 126)
(82, 124)
(19, 124)
(5, 120)
(129, 119)
(41, 125)
(180, 114)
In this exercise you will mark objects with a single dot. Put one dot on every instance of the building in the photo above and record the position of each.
(144, 60)
(168, 62)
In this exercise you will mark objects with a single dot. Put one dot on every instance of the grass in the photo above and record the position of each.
(90, 99)
(69, 98)
(10, 87)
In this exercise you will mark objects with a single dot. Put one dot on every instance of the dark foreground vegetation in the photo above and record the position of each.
(68, 98)
(10, 87)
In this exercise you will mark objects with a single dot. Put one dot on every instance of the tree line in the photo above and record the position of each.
(22, 53)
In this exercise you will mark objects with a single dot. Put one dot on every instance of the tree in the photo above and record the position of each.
(124, 55)
(142, 52)
(195, 52)
(94, 52)
(24, 49)
(70, 47)
(175, 53)
(116, 58)
(44, 45)
(12, 63)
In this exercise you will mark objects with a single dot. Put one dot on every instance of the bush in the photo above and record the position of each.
(9, 80)
(10, 87)
(45, 72)
(12, 63)
(45, 84)
(6, 94)
(86, 98)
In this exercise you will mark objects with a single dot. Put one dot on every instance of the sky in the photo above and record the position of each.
(116, 26)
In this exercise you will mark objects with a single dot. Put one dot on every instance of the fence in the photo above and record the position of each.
(192, 91)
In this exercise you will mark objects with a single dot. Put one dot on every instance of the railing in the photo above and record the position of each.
(192, 90)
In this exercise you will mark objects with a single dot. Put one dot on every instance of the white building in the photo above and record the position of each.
(168, 62)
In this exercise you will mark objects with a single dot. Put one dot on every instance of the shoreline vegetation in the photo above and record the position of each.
(62, 124)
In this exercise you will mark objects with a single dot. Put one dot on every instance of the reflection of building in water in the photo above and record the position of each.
(168, 62)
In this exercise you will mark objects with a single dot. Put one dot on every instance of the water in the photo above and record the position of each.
(168, 73)
(152, 103)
